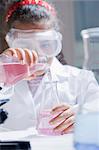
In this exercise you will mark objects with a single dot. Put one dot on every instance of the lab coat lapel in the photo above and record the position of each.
(58, 73)
(22, 89)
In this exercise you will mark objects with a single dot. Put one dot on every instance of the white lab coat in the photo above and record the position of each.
(74, 86)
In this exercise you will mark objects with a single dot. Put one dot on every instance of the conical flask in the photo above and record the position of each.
(49, 100)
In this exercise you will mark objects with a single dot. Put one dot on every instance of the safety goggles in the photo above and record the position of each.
(47, 43)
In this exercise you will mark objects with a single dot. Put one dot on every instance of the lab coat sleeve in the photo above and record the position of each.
(6, 91)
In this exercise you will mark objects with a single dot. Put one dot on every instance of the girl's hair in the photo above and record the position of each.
(61, 58)
(34, 14)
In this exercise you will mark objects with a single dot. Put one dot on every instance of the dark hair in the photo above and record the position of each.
(61, 58)
(34, 14)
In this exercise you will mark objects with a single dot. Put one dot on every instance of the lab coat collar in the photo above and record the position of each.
(57, 72)
(60, 72)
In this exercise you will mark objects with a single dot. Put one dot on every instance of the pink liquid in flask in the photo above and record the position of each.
(43, 127)
(14, 72)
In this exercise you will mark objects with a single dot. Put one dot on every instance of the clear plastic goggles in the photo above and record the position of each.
(46, 43)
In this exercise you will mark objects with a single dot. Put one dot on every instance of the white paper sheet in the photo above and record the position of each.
(17, 135)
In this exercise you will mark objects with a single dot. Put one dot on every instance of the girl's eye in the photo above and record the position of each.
(45, 44)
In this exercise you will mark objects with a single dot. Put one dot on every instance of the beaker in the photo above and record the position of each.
(86, 132)
(13, 71)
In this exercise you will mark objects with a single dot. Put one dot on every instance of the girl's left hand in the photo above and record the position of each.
(64, 121)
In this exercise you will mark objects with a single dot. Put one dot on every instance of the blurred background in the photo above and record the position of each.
(74, 15)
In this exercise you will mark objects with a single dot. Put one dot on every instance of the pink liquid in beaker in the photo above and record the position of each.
(43, 127)
(14, 72)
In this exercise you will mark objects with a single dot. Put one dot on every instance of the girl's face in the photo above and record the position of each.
(41, 38)
(34, 28)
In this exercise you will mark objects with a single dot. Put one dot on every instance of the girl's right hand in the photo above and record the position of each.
(23, 55)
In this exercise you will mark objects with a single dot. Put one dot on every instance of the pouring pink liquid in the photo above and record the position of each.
(14, 72)
(11, 73)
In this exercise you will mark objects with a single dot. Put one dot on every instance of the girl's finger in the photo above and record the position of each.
(68, 130)
(65, 124)
(21, 54)
(30, 77)
(60, 108)
(10, 52)
(35, 57)
(18, 54)
(62, 116)
(28, 55)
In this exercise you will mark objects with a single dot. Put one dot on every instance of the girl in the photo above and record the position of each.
(33, 25)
